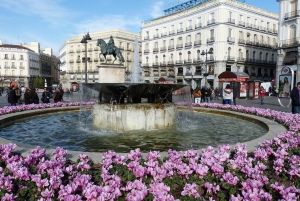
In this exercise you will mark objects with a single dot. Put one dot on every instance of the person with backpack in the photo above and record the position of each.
(14, 95)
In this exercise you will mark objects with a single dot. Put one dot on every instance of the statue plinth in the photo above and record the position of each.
(111, 73)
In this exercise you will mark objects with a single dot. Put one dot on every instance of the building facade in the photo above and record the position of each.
(195, 44)
(72, 56)
(288, 39)
(18, 64)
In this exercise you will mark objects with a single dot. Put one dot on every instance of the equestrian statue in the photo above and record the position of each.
(110, 49)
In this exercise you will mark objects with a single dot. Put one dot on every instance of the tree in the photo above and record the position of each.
(38, 82)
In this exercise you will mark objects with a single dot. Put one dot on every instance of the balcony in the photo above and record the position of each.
(240, 59)
(71, 51)
(188, 44)
(96, 60)
(155, 50)
(78, 50)
(241, 23)
(179, 61)
(291, 15)
(255, 27)
(6, 67)
(262, 28)
(13, 67)
(249, 25)
(78, 61)
(229, 58)
(21, 58)
(197, 43)
(13, 58)
(145, 65)
(197, 60)
(155, 74)
(171, 47)
(290, 42)
(241, 41)
(171, 32)
(164, 63)
(71, 61)
(96, 49)
(22, 67)
(121, 47)
(155, 64)
(179, 30)
(128, 60)
(211, 40)
(210, 58)
(156, 36)
(179, 46)
(231, 21)
(230, 39)
(170, 63)
(163, 49)
(146, 38)
(90, 49)
(164, 34)
(269, 30)
(146, 51)
(210, 22)
(198, 25)
(188, 61)
(188, 28)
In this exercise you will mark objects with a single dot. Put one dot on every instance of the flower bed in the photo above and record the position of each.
(271, 172)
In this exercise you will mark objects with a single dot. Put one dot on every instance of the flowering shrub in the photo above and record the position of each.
(271, 172)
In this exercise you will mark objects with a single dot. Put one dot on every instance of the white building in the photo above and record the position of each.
(241, 38)
(72, 55)
(18, 64)
(288, 39)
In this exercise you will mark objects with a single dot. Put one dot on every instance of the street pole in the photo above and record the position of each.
(85, 41)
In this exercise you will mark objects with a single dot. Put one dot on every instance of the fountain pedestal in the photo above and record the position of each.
(111, 73)
(134, 116)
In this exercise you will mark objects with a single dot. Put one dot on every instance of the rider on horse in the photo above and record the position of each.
(110, 45)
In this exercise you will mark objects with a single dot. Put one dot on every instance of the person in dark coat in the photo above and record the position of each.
(202, 94)
(295, 96)
(46, 95)
(57, 97)
(12, 97)
(34, 96)
(27, 99)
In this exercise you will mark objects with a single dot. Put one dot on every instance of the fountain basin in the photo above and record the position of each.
(129, 117)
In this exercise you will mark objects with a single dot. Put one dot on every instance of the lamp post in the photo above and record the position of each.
(58, 71)
(205, 71)
(85, 41)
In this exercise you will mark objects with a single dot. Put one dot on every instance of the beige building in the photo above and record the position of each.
(288, 39)
(239, 37)
(18, 65)
(72, 54)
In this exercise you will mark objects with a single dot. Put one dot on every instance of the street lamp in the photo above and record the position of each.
(85, 41)
(206, 71)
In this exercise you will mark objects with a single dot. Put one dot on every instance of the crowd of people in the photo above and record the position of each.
(23, 95)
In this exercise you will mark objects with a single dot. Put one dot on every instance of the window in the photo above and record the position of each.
(128, 46)
(198, 55)
(147, 46)
(156, 45)
(164, 58)
(241, 36)
(164, 30)
(189, 55)
(248, 20)
(156, 59)
(180, 56)
(172, 42)
(253, 55)
(21, 57)
(267, 56)
(21, 64)
(199, 20)
(188, 38)
(230, 15)
(198, 36)
(164, 43)
(6, 56)
(255, 22)
(212, 16)
(180, 40)
(241, 18)
(212, 33)
(229, 51)
(260, 56)
(147, 59)
(240, 54)
(229, 32)
(172, 27)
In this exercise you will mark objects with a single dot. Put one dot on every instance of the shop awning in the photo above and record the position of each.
(229, 76)
(166, 80)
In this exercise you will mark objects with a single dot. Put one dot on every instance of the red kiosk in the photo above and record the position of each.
(240, 78)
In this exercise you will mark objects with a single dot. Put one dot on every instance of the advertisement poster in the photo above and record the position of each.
(251, 90)
(243, 89)
(285, 85)
(256, 85)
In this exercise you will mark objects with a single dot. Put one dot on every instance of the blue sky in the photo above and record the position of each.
(52, 22)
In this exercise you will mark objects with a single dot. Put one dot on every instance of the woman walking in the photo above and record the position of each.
(262, 94)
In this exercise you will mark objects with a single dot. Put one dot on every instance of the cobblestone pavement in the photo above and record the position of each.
(271, 102)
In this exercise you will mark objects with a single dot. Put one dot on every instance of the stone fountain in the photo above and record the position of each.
(131, 106)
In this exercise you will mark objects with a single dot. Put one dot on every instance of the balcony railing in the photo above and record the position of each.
(290, 42)
(231, 39)
(171, 47)
(164, 34)
(242, 41)
(90, 49)
(187, 61)
(212, 21)
(210, 40)
(155, 63)
(188, 44)
(179, 61)
(155, 49)
(96, 60)
(262, 28)
(78, 50)
(71, 51)
(179, 30)
(171, 32)
(232, 21)
(240, 59)
(78, 61)
(241, 23)
(229, 58)
(255, 26)
(198, 59)
(189, 28)
(164, 63)
(71, 61)
(96, 49)
(146, 38)
(249, 25)
(179, 46)
(197, 43)
(146, 51)
(155, 36)
(170, 62)
(197, 26)
(292, 14)
(163, 49)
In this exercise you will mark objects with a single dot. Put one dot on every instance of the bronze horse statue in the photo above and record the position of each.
(105, 50)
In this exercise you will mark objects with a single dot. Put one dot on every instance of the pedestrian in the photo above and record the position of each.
(295, 94)
(197, 95)
(217, 93)
(46, 95)
(227, 95)
(276, 91)
(202, 94)
(207, 94)
(262, 94)
(270, 91)
(26, 98)
(57, 97)
(34, 96)
(12, 97)
(234, 94)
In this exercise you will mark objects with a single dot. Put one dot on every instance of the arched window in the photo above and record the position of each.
(229, 51)
(247, 54)
(189, 56)
(180, 56)
(253, 56)
(198, 55)
(240, 54)
(260, 56)
(267, 57)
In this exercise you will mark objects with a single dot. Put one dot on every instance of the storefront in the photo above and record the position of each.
(240, 80)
